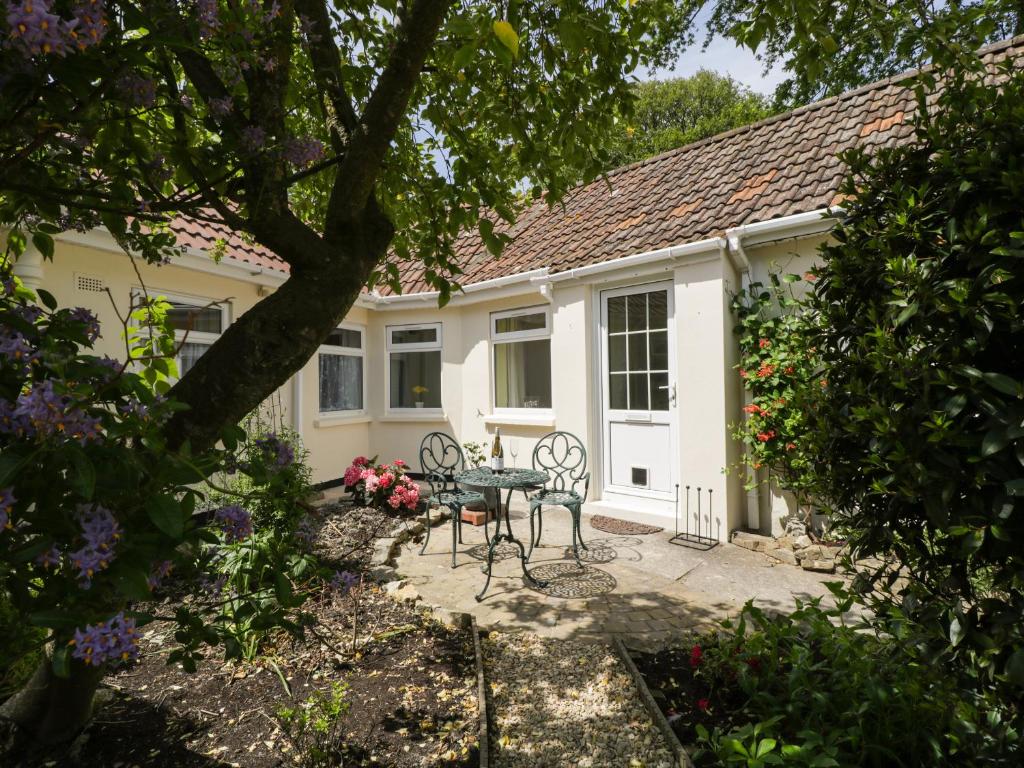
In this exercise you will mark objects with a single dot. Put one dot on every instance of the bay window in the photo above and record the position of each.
(342, 370)
(521, 340)
(414, 366)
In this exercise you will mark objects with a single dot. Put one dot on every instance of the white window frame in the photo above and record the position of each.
(507, 337)
(331, 349)
(424, 346)
(199, 302)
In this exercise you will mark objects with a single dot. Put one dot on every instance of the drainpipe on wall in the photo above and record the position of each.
(735, 240)
(29, 267)
(297, 403)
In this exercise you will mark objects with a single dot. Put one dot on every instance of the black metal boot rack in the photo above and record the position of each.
(694, 539)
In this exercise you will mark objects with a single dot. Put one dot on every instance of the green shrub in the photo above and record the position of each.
(313, 727)
(918, 437)
(806, 689)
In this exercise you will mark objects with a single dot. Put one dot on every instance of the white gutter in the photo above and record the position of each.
(648, 258)
(192, 258)
(486, 288)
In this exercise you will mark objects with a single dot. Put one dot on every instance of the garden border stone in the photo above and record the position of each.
(481, 694)
(675, 746)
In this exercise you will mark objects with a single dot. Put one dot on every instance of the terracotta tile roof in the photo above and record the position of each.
(781, 166)
(204, 236)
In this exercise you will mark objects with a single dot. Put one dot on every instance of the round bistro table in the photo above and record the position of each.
(510, 480)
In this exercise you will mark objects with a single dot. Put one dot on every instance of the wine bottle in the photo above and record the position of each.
(497, 453)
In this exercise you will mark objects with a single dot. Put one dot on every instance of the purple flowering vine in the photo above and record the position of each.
(276, 450)
(86, 318)
(302, 152)
(221, 107)
(100, 532)
(235, 521)
(253, 138)
(49, 558)
(209, 20)
(114, 640)
(159, 572)
(41, 412)
(36, 31)
(16, 348)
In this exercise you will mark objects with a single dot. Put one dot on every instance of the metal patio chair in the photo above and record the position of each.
(440, 459)
(563, 457)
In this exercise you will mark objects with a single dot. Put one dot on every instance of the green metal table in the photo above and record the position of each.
(510, 480)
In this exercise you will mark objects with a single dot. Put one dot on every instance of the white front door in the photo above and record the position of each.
(638, 385)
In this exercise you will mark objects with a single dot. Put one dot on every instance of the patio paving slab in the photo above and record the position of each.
(643, 588)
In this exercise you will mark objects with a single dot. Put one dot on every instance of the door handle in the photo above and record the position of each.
(672, 392)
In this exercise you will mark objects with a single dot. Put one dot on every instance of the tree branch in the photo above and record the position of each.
(384, 111)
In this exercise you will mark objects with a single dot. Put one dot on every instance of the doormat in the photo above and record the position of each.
(622, 527)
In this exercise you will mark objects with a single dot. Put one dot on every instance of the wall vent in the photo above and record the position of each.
(90, 284)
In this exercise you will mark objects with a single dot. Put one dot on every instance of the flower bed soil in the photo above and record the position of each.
(685, 701)
(411, 683)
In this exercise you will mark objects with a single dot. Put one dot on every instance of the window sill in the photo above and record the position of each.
(527, 419)
(341, 419)
(414, 414)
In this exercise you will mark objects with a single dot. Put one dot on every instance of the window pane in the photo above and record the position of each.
(522, 374)
(416, 378)
(341, 383)
(190, 352)
(414, 335)
(345, 337)
(617, 391)
(658, 308)
(638, 392)
(659, 391)
(190, 317)
(659, 350)
(617, 314)
(636, 308)
(638, 351)
(617, 353)
(531, 322)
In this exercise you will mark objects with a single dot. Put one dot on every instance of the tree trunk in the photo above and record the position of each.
(49, 710)
(258, 353)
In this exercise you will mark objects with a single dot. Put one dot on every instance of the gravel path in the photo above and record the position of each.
(558, 703)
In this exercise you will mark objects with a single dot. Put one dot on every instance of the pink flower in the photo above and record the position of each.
(353, 475)
(703, 705)
(399, 463)
(394, 500)
(695, 657)
(360, 461)
(372, 481)
(387, 480)
(367, 473)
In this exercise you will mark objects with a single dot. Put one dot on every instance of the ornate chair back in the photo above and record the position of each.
(440, 459)
(563, 457)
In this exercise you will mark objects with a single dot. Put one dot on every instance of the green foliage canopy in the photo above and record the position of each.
(670, 113)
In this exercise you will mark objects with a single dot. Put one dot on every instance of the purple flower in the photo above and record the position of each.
(90, 25)
(16, 349)
(83, 316)
(253, 138)
(160, 572)
(304, 151)
(135, 407)
(8, 284)
(235, 522)
(305, 532)
(49, 559)
(100, 531)
(114, 640)
(30, 313)
(277, 450)
(207, 13)
(6, 507)
(42, 413)
(34, 29)
(344, 581)
(221, 107)
(213, 586)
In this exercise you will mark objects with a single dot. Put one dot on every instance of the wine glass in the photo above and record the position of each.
(513, 449)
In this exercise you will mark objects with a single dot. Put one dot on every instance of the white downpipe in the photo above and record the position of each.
(297, 403)
(760, 233)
